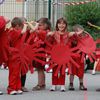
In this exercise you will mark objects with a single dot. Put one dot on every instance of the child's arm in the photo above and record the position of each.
(71, 34)
(24, 29)
(33, 28)
(93, 25)
(50, 33)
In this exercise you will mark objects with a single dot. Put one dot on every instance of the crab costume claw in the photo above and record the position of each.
(87, 46)
(26, 53)
(61, 57)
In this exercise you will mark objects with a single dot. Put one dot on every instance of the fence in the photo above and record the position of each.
(34, 9)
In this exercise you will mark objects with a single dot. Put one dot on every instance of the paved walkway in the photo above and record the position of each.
(92, 82)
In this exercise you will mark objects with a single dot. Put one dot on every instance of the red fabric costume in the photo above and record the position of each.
(61, 54)
(98, 49)
(59, 78)
(14, 67)
(86, 46)
(3, 41)
(35, 37)
(98, 55)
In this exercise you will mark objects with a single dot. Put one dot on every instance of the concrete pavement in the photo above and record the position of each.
(91, 81)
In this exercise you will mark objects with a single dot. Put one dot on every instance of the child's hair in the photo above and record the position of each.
(77, 26)
(45, 21)
(16, 21)
(23, 19)
(59, 21)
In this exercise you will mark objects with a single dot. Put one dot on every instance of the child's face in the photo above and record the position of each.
(19, 27)
(42, 26)
(61, 26)
(79, 31)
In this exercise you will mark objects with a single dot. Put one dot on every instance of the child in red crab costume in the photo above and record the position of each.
(78, 30)
(39, 32)
(97, 62)
(56, 37)
(14, 35)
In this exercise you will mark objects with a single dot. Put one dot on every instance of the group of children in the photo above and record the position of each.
(41, 30)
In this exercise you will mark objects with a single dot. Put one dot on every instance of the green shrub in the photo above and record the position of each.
(81, 14)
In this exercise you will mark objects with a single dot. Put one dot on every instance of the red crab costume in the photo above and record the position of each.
(38, 36)
(86, 46)
(20, 59)
(98, 55)
(17, 54)
(3, 41)
(61, 56)
(14, 37)
(98, 49)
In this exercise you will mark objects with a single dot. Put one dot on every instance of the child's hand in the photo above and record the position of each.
(79, 32)
(33, 22)
(50, 33)
(7, 20)
(71, 34)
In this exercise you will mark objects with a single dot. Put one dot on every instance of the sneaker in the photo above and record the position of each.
(62, 88)
(2, 66)
(53, 88)
(38, 87)
(19, 92)
(24, 89)
(13, 93)
(1, 92)
(93, 72)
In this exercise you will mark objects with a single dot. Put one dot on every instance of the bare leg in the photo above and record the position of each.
(41, 80)
(95, 65)
(82, 87)
(41, 77)
(71, 82)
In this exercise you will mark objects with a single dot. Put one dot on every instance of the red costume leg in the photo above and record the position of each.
(77, 71)
(61, 78)
(54, 78)
(14, 77)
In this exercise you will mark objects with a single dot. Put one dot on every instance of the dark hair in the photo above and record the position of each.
(45, 21)
(23, 19)
(77, 26)
(16, 21)
(59, 21)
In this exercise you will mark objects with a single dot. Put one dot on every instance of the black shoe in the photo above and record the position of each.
(83, 88)
(98, 90)
(71, 87)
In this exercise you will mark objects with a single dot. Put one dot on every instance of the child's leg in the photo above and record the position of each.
(71, 78)
(54, 80)
(95, 65)
(19, 87)
(23, 80)
(14, 77)
(82, 87)
(61, 81)
(41, 79)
